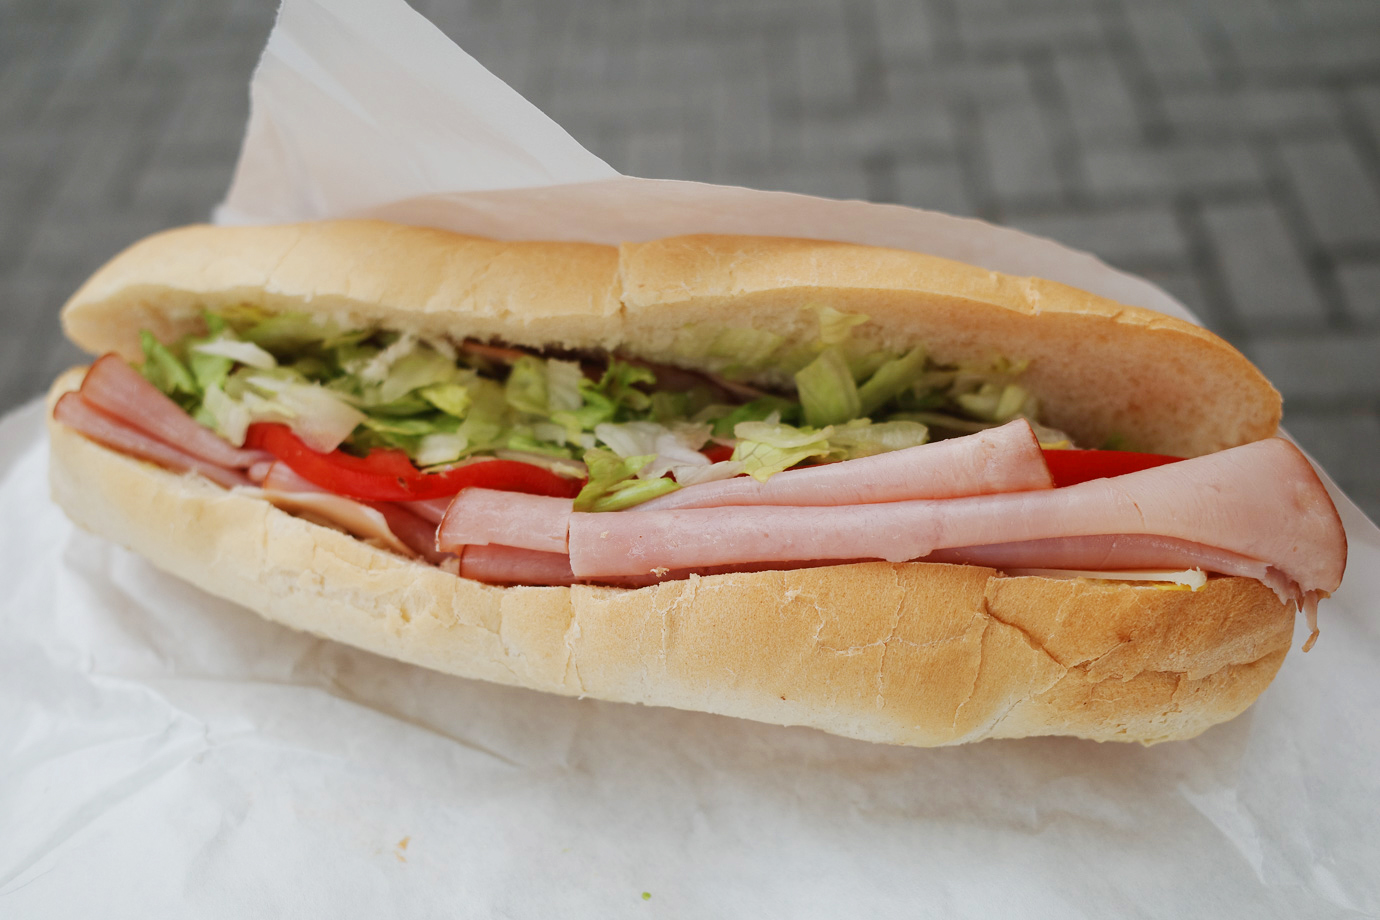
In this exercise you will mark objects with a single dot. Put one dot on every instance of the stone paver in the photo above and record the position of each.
(1134, 236)
(1228, 149)
(1361, 289)
(1322, 370)
(1251, 111)
(1265, 275)
(1165, 169)
(1339, 194)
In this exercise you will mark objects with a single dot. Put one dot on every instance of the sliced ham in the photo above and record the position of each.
(498, 354)
(353, 517)
(119, 390)
(1137, 551)
(259, 471)
(1260, 500)
(75, 412)
(1123, 555)
(385, 524)
(479, 516)
(416, 532)
(1005, 459)
(680, 379)
(281, 478)
(509, 565)
(433, 509)
(1113, 552)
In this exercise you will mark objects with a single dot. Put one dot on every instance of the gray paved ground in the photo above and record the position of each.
(1227, 149)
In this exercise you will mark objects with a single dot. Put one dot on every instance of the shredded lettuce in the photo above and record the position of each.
(525, 439)
(836, 327)
(209, 370)
(863, 439)
(630, 439)
(526, 386)
(766, 448)
(828, 394)
(164, 369)
(891, 380)
(362, 388)
(451, 398)
(563, 379)
(375, 365)
(745, 348)
(612, 485)
(285, 332)
(421, 367)
(410, 427)
(440, 447)
(756, 411)
(615, 397)
(674, 449)
(992, 402)
(234, 350)
(229, 418)
(319, 417)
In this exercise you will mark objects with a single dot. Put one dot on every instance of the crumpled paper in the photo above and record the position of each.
(167, 754)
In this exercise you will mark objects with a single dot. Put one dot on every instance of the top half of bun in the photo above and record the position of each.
(1101, 369)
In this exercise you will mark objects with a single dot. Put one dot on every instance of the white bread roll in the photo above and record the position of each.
(911, 654)
(1101, 369)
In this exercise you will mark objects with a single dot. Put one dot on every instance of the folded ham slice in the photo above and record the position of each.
(509, 565)
(119, 390)
(1121, 553)
(1261, 500)
(432, 509)
(416, 532)
(384, 523)
(1111, 552)
(1005, 459)
(74, 411)
(480, 516)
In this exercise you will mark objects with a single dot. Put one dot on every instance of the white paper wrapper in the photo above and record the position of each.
(166, 754)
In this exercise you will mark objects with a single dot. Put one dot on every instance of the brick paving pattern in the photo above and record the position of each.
(1229, 150)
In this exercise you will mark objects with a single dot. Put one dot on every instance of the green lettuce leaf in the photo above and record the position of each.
(419, 368)
(165, 370)
(563, 379)
(525, 389)
(890, 380)
(756, 411)
(835, 327)
(863, 439)
(745, 348)
(286, 332)
(451, 398)
(766, 449)
(827, 392)
(612, 485)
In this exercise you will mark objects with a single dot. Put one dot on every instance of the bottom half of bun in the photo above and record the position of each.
(914, 654)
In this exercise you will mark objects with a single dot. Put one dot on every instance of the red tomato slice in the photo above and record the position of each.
(1070, 467)
(389, 476)
(718, 452)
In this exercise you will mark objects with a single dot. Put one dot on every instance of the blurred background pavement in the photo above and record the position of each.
(1229, 150)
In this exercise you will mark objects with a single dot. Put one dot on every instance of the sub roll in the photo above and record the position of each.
(869, 491)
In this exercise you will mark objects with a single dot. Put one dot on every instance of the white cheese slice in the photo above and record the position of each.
(1193, 579)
